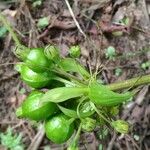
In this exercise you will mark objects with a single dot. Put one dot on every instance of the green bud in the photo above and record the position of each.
(52, 53)
(121, 126)
(88, 124)
(114, 111)
(75, 51)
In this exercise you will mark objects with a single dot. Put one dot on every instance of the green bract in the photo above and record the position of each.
(52, 53)
(121, 126)
(37, 61)
(88, 124)
(33, 79)
(59, 129)
(32, 109)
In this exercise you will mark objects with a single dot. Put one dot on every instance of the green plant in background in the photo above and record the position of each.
(3, 31)
(145, 65)
(118, 72)
(110, 53)
(81, 103)
(37, 3)
(43, 22)
(75, 51)
(11, 141)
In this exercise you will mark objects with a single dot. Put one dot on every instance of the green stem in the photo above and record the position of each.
(99, 113)
(129, 83)
(10, 29)
(64, 81)
(77, 134)
(80, 102)
(67, 75)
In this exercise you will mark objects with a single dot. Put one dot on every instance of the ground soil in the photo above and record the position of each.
(97, 20)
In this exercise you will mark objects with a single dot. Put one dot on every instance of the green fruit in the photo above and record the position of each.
(37, 61)
(58, 128)
(33, 79)
(32, 109)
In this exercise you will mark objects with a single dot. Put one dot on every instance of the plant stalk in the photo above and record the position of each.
(129, 83)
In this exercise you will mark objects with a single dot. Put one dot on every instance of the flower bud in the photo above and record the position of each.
(114, 111)
(121, 126)
(88, 124)
(75, 51)
(52, 53)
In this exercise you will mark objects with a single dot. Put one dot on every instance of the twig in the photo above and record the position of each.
(76, 22)
(110, 145)
(37, 140)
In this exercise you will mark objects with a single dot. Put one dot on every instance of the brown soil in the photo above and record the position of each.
(96, 19)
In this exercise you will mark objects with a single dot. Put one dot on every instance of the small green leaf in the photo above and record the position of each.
(11, 141)
(71, 65)
(110, 53)
(85, 110)
(61, 94)
(43, 22)
(145, 65)
(68, 112)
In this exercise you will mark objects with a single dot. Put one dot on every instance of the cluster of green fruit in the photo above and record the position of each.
(71, 100)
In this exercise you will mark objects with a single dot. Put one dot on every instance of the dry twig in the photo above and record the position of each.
(73, 16)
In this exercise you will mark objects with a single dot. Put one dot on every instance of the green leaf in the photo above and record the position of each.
(61, 94)
(110, 53)
(43, 22)
(71, 65)
(11, 141)
(101, 95)
(85, 110)
(68, 112)
(145, 65)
